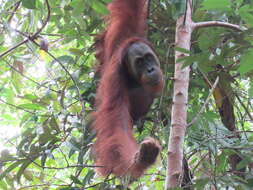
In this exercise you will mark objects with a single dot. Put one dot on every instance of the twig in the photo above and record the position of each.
(9, 104)
(14, 47)
(98, 183)
(62, 65)
(204, 105)
(42, 185)
(245, 108)
(14, 11)
(45, 22)
(66, 70)
(71, 166)
(52, 168)
(30, 79)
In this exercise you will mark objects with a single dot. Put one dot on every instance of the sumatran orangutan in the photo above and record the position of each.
(130, 80)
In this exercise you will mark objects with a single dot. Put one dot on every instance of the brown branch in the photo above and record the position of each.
(45, 22)
(14, 47)
(14, 11)
(198, 25)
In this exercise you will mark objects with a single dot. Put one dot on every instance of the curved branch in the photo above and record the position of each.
(198, 25)
(44, 23)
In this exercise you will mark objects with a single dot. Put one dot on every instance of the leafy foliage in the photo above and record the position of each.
(48, 87)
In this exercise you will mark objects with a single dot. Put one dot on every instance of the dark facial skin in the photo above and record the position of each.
(143, 64)
(145, 79)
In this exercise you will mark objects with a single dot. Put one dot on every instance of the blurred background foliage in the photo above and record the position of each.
(48, 83)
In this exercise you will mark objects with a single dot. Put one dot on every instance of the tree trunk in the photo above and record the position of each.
(180, 100)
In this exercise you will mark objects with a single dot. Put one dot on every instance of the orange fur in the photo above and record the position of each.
(115, 148)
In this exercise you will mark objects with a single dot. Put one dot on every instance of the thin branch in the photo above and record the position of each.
(32, 37)
(204, 105)
(71, 166)
(14, 47)
(217, 23)
(107, 180)
(245, 108)
(20, 108)
(66, 70)
(48, 34)
(61, 64)
(45, 22)
(14, 11)
(17, 107)
(42, 185)
(30, 79)
(32, 159)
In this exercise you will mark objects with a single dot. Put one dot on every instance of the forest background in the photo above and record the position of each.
(48, 84)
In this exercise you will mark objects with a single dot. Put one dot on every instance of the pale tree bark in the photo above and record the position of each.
(180, 99)
(184, 28)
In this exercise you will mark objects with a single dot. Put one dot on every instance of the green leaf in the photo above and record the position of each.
(221, 162)
(54, 125)
(66, 59)
(99, 7)
(246, 14)
(251, 88)
(10, 168)
(31, 106)
(216, 5)
(208, 39)
(183, 50)
(22, 169)
(29, 4)
(76, 51)
(30, 97)
(178, 8)
(242, 164)
(78, 6)
(3, 185)
(28, 175)
(88, 177)
(16, 81)
(201, 183)
(246, 62)
(75, 180)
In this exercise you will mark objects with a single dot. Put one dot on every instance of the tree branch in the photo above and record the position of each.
(198, 25)
(17, 107)
(14, 11)
(245, 108)
(204, 105)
